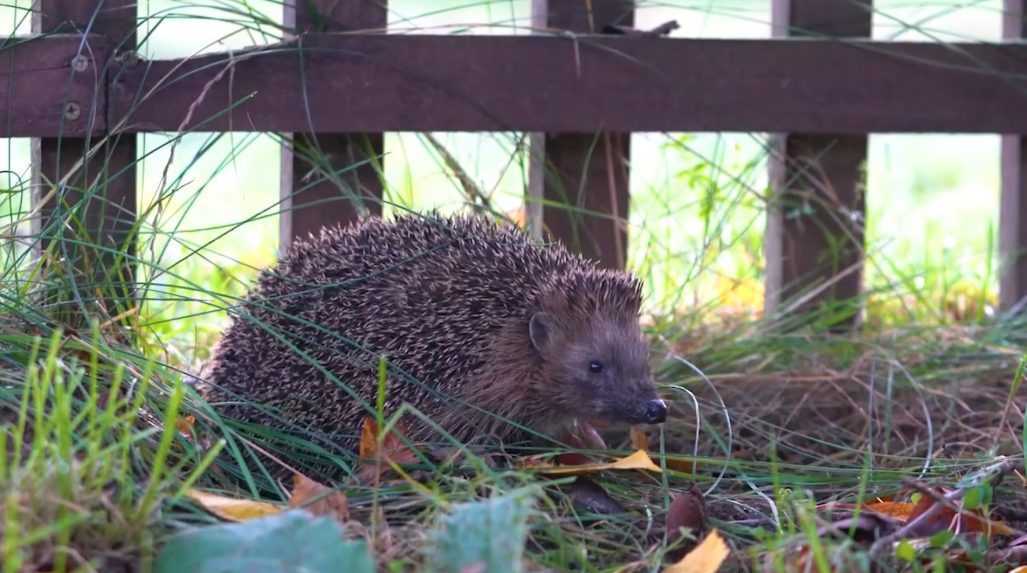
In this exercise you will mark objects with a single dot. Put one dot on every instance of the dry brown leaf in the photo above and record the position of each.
(896, 509)
(318, 499)
(639, 460)
(946, 518)
(707, 557)
(232, 509)
(639, 439)
(375, 463)
(185, 425)
(687, 511)
(682, 465)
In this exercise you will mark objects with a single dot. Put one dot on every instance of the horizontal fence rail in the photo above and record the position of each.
(370, 83)
(818, 88)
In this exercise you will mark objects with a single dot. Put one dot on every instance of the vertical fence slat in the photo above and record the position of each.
(584, 177)
(108, 216)
(1013, 218)
(814, 236)
(318, 185)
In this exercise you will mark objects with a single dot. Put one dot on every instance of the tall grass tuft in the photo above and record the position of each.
(90, 450)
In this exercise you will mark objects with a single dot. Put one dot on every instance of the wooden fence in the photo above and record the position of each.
(819, 86)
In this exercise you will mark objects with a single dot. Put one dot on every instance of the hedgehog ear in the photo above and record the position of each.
(540, 330)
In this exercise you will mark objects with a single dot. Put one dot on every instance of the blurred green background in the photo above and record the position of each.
(697, 217)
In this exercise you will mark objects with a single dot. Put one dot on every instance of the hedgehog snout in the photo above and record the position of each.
(656, 411)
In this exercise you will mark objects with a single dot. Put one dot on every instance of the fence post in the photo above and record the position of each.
(86, 224)
(814, 239)
(319, 187)
(583, 178)
(1013, 214)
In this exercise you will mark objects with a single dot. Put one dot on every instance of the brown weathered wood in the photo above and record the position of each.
(585, 175)
(87, 207)
(428, 83)
(1013, 217)
(319, 185)
(40, 93)
(814, 239)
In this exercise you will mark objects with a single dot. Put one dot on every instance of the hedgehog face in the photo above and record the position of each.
(598, 369)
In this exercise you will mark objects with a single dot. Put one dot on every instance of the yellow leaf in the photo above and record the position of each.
(232, 509)
(1020, 569)
(707, 557)
(639, 460)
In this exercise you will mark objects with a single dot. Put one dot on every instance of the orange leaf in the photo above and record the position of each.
(368, 439)
(639, 460)
(896, 509)
(946, 518)
(707, 557)
(318, 499)
(393, 451)
(185, 425)
(232, 509)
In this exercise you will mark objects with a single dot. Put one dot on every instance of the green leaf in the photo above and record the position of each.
(942, 538)
(905, 551)
(977, 497)
(485, 535)
(291, 542)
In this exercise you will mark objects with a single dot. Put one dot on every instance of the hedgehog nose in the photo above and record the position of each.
(655, 411)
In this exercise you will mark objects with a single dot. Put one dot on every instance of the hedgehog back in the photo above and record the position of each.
(430, 293)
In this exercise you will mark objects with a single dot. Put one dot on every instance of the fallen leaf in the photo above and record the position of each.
(590, 497)
(185, 425)
(318, 499)
(687, 511)
(375, 463)
(639, 439)
(896, 509)
(945, 518)
(682, 465)
(639, 460)
(573, 459)
(1020, 569)
(707, 557)
(232, 509)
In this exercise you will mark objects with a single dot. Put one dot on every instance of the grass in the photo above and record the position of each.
(103, 433)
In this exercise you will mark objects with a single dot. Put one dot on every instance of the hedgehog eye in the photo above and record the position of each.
(595, 367)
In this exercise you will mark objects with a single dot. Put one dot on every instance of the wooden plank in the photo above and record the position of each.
(814, 239)
(1013, 215)
(319, 186)
(40, 93)
(463, 83)
(584, 176)
(87, 206)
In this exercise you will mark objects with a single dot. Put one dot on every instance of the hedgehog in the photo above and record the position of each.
(484, 330)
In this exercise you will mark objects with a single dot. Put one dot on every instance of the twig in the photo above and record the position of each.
(947, 501)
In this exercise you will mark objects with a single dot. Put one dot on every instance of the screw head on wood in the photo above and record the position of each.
(72, 111)
(80, 63)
